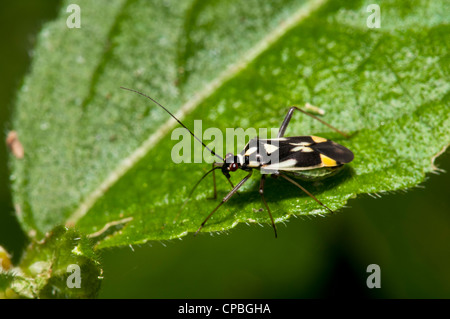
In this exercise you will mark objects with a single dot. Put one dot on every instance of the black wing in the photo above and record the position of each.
(300, 152)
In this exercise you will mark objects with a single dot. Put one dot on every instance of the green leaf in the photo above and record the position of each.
(44, 270)
(100, 158)
(6, 279)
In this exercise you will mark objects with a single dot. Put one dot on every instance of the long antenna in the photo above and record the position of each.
(154, 101)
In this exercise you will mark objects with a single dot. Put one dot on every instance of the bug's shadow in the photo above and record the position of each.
(278, 189)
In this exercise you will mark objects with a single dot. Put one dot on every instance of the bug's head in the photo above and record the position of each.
(231, 164)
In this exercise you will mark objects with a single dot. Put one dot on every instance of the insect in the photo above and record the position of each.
(304, 157)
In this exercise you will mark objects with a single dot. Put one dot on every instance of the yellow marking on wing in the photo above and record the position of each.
(318, 139)
(326, 161)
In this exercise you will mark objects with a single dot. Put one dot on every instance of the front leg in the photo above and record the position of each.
(224, 200)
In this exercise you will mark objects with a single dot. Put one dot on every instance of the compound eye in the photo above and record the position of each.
(233, 167)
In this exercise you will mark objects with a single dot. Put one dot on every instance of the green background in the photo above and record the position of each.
(407, 234)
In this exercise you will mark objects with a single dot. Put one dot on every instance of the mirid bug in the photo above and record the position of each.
(304, 157)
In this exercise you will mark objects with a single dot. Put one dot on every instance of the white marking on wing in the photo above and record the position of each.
(298, 148)
(301, 144)
(270, 148)
(250, 151)
(282, 165)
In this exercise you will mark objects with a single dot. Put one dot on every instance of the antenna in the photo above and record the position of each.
(154, 101)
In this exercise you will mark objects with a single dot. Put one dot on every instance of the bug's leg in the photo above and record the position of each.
(261, 191)
(232, 186)
(285, 123)
(214, 182)
(303, 189)
(224, 200)
(215, 189)
(229, 181)
(289, 116)
(193, 189)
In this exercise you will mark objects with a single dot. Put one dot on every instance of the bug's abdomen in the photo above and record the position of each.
(315, 174)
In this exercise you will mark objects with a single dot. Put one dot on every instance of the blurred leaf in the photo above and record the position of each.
(5, 280)
(44, 273)
(100, 157)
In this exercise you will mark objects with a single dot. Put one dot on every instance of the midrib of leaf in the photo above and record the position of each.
(206, 91)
